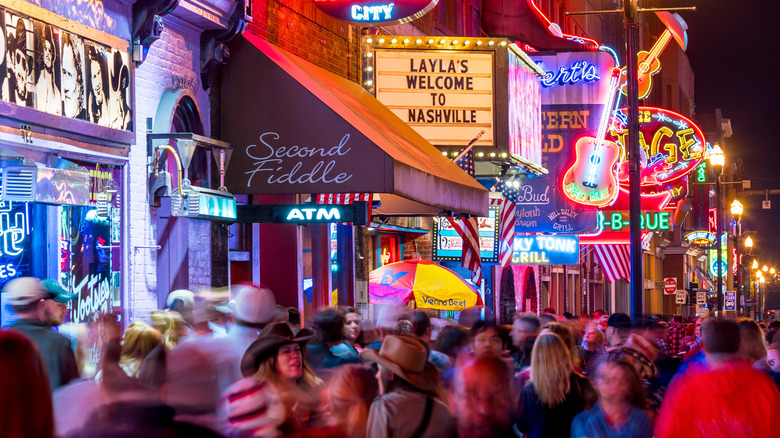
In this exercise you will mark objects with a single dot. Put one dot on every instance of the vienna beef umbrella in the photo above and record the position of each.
(430, 285)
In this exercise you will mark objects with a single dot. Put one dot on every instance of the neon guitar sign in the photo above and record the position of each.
(591, 180)
(648, 63)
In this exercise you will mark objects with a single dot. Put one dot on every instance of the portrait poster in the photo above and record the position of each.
(98, 111)
(19, 60)
(47, 69)
(120, 91)
(73, 77)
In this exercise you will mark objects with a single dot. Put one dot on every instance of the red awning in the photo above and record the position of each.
(301, 129)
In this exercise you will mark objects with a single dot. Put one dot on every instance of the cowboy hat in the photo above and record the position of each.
(406, 357)
(269, 341)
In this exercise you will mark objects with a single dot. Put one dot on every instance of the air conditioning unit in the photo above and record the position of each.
(200, 203)
(32, 182)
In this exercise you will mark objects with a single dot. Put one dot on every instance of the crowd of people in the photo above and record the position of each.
(249, 368)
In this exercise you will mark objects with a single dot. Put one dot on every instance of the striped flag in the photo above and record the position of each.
(345, 199)
(468, 229)
(466, 162)
(615, 260)
(506, 227)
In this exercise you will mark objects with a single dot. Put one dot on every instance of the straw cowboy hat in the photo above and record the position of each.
(269, 341)
(406, 357)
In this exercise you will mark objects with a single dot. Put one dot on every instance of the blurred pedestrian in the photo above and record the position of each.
(409, 405)
(555, 394)
(329, 348)
(353, 330)
(593, 353)
(620, 410)
(752, 345)
(351, 390)
(675, 334)
(25, 395)
(641, 353)
(423, 330)
(182, 301)
(171, 326)
(618, 330)
(253, 309)
(725, 397)
(138, 341)
(191, 386)
(41, 305)
(294, 319)
(567, 336)
(452, 340)
(482, 399)
(525, 326)
(485, 339)
(276, 357)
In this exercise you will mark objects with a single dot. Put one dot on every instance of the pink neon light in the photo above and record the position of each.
(544, 18)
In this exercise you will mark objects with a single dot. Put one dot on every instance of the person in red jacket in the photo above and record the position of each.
(722, 397)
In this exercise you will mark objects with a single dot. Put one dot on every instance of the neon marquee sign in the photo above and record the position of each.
(376, 11)
(699, 238)
(672, 145)
(579, 71)
(545, 250)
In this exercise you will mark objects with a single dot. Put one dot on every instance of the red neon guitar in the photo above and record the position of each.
(591, 179)
(648, 63)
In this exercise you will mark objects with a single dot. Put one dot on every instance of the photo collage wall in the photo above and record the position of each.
(57, 72)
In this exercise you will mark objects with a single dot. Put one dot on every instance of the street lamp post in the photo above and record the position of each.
(748, 249)
(736, 211)
(718, 159)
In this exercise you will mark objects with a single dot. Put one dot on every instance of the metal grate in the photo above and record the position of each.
(18, 184)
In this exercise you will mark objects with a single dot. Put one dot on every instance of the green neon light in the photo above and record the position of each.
(651, 221)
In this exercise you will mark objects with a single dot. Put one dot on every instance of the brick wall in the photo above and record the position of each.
(173, 62)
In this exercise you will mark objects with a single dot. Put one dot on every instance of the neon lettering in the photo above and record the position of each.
(372, 13)
(580, 71)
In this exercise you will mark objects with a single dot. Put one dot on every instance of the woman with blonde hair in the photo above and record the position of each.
(351, 390)
(138, 341)
(171, 325)
(555, 394)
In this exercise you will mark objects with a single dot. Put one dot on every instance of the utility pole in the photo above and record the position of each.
(630, 13)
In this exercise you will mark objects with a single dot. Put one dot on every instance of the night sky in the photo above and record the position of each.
(735, 54)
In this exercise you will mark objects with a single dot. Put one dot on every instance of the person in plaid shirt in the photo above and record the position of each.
(675, 334)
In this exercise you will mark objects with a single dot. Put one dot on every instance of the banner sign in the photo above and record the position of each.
(699, 238)
(448, 246)
(546, 250)
(447, 97)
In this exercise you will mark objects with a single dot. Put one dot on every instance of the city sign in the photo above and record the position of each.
(546, 250)
(376, 11)
(448, 245)
(699, 238)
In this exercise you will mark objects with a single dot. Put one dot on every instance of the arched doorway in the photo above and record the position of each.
(507, 305)
(529, 295)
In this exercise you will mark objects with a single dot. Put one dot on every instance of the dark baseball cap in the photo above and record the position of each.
(619, 321)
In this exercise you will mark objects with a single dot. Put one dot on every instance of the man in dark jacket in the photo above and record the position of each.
(41, 305)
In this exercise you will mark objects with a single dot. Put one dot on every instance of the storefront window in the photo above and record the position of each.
(389, 249)
(89, 250)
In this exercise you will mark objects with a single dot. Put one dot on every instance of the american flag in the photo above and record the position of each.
(615, 260)
(466, 162)
(468, 229)
(345, 198)
(506, 227)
